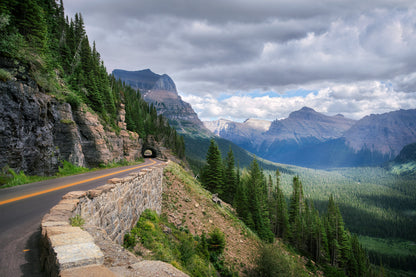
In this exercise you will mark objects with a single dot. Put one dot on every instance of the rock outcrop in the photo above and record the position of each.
(38, 132)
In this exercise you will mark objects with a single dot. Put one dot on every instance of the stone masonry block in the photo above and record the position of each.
(76, 255)
(70, 238)
(74, 194)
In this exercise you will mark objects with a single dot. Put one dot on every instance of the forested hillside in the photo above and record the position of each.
(41, 45)
(261, 204)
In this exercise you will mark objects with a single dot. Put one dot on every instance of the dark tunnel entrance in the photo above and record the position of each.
(149, 152)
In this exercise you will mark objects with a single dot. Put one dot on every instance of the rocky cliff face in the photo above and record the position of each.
(160, 90)
(37, 132)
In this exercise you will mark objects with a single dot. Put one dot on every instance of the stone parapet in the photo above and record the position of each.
(113, 208)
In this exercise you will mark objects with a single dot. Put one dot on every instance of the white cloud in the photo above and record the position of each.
(353, 101)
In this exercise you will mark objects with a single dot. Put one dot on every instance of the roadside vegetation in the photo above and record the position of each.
(154, 237)
(9, 178)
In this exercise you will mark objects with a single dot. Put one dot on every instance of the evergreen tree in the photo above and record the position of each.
(257, 202)
(296, 214)
(212, 173)
(229, 178)
(279, 210)
(30, 20)
(335, 229)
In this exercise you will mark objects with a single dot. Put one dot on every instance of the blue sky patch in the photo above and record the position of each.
(271, 94)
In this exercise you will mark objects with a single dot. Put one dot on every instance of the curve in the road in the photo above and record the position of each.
(22, 207)
(72, 184)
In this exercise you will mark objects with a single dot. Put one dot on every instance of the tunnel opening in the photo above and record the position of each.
(149, 152)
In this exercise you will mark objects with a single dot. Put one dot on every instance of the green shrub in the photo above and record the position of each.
(129, 240)
(216, 242)
(77, 221)
(272, 261)
(74, 100)
(5, 75)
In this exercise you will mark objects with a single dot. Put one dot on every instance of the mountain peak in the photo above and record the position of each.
(304, 113)
(146, 80)
(307, 109)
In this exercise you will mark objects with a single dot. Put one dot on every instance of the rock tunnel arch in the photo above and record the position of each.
(149, 152)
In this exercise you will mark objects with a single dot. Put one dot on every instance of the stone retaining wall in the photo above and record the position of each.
(114, 208)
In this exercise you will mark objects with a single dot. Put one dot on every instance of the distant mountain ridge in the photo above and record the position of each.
(309, 138)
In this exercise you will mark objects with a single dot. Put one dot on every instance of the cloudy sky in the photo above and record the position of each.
(241, 59)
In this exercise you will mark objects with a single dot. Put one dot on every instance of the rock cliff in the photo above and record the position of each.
(38, 132)
(160, 90)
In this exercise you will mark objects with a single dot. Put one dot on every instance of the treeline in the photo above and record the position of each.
(260, 203)
(61, 60)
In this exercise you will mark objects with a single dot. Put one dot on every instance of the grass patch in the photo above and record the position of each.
(9, 178)
(67, 121)
(68, 169)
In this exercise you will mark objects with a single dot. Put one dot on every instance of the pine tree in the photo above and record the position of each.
(30, 20)
(296, 214)
(229, 178)
(257, 202)
(335, 228)
(282, 220)
(212, 173)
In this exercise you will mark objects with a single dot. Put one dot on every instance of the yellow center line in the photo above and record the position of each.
(71, 185)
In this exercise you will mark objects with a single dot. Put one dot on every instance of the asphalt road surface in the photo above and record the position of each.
(22, 208)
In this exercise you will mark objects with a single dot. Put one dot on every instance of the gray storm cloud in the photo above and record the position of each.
(213, 48)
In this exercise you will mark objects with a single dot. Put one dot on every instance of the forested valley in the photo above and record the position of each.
(307, 208)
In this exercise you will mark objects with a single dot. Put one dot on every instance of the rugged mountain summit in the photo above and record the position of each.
(160, 90)
(145, 80)
(309, 124)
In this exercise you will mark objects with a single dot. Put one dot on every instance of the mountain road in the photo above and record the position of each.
(22, 208)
